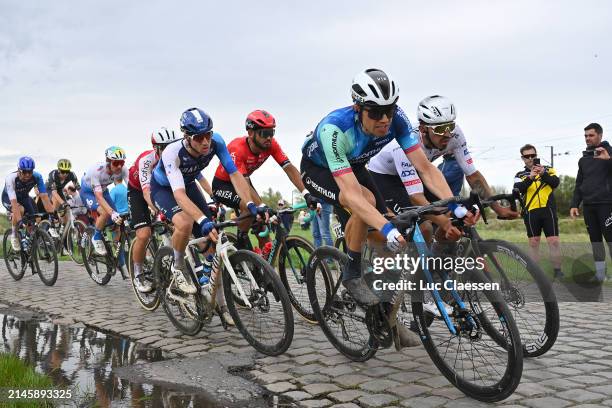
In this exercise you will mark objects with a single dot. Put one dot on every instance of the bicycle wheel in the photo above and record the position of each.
(149, 301)
(183, 310)
(341, 320)
(292, 264)
(470, 359)
(45, 257)
(268, 323)
(528, 292)
(73, 241)
(99, 267)
(14, 260)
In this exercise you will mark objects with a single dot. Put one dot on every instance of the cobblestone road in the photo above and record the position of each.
(576, 372)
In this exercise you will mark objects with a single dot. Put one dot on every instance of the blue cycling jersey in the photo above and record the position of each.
(339, 142)
(15, 188)
(177, 167)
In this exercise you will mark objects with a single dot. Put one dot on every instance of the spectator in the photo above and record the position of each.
(304, 220)
(286, 218)
(536, 184)
(594, 191)
(119, 196)
(320, 225)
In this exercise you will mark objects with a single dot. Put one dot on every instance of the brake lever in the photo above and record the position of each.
(475, 200)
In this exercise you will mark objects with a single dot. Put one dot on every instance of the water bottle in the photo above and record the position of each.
(206, 268)
(25, 243)
(62, 228)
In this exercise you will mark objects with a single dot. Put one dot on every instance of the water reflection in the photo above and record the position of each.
(81, 359)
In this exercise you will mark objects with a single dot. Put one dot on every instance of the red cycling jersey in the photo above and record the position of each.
(142, 169)
(246, 161)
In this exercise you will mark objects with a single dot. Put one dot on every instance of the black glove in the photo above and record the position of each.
(311, 201)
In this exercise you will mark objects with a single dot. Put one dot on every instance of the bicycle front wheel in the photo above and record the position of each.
(14, 260)
(268, 323)
(45, 257)
(292, 264)
(528, 292)
(184, 311)
(99, 267)
(341, 320)
(148, 301)
(73, 241)
(470, 358)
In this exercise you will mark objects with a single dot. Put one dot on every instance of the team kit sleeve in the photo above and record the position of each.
(145, 170)
(405, 135)
(406, 171)
(279, 155)
(462, 153)
(172, 162)
(335, 146)
(9, 185)
(223, 154)
(40, 183)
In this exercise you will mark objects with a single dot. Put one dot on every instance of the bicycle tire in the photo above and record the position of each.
(10, 257)
(537, 337)
(335, 306)
(148, 301)
(73, 241)
(293, 275)
(511, 355)
(273, 292)
(98, 267)
(45, 225)
(44, 242)
(188, 325)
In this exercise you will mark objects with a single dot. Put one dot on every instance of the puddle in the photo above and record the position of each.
(83, 360)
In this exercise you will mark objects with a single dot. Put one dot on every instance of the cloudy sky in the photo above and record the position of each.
(76, 77)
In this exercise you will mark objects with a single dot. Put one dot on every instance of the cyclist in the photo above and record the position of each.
(249, 153)
(16, 198)
(95, 193)
(140, 202)
(58, 179)
(441, 136)
(174, 190)
(333, 167)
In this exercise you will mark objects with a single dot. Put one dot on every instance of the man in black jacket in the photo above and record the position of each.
(536, 184)
(594, 191)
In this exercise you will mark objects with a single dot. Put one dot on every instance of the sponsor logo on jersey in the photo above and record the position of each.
(470, 161)
(335, 147)
(412, 182)
(406, 173)
(321, 190)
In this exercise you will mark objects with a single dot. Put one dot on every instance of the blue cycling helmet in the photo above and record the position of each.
(26, 163)
(195, 121)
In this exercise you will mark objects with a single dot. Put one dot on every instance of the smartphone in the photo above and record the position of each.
(536, 161)
(588, 153)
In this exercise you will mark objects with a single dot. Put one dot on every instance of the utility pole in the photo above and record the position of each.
(552, 162)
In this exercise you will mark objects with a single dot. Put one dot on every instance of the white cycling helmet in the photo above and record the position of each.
(374, 87)
(162, 136)
(436, 109)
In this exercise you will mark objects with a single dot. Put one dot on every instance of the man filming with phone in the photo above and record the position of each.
(594, 191)
(536, 184)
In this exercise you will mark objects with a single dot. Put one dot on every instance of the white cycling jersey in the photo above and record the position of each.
(98, 177)
(393, 161)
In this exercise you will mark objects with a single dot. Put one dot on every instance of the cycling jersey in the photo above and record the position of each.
(142, 170)
(247, 161)
(54, 183)
(456, 146)
(338, 142)
(98, 177)
(15, 189)
(537, 193)
(392, 160)
(177, 167)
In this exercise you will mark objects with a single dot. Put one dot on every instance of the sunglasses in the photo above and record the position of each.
(199, 137)
(377, 112)
(267, 133)
(117, 163)
(529, 156)
(440, 130)
(26, 172)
